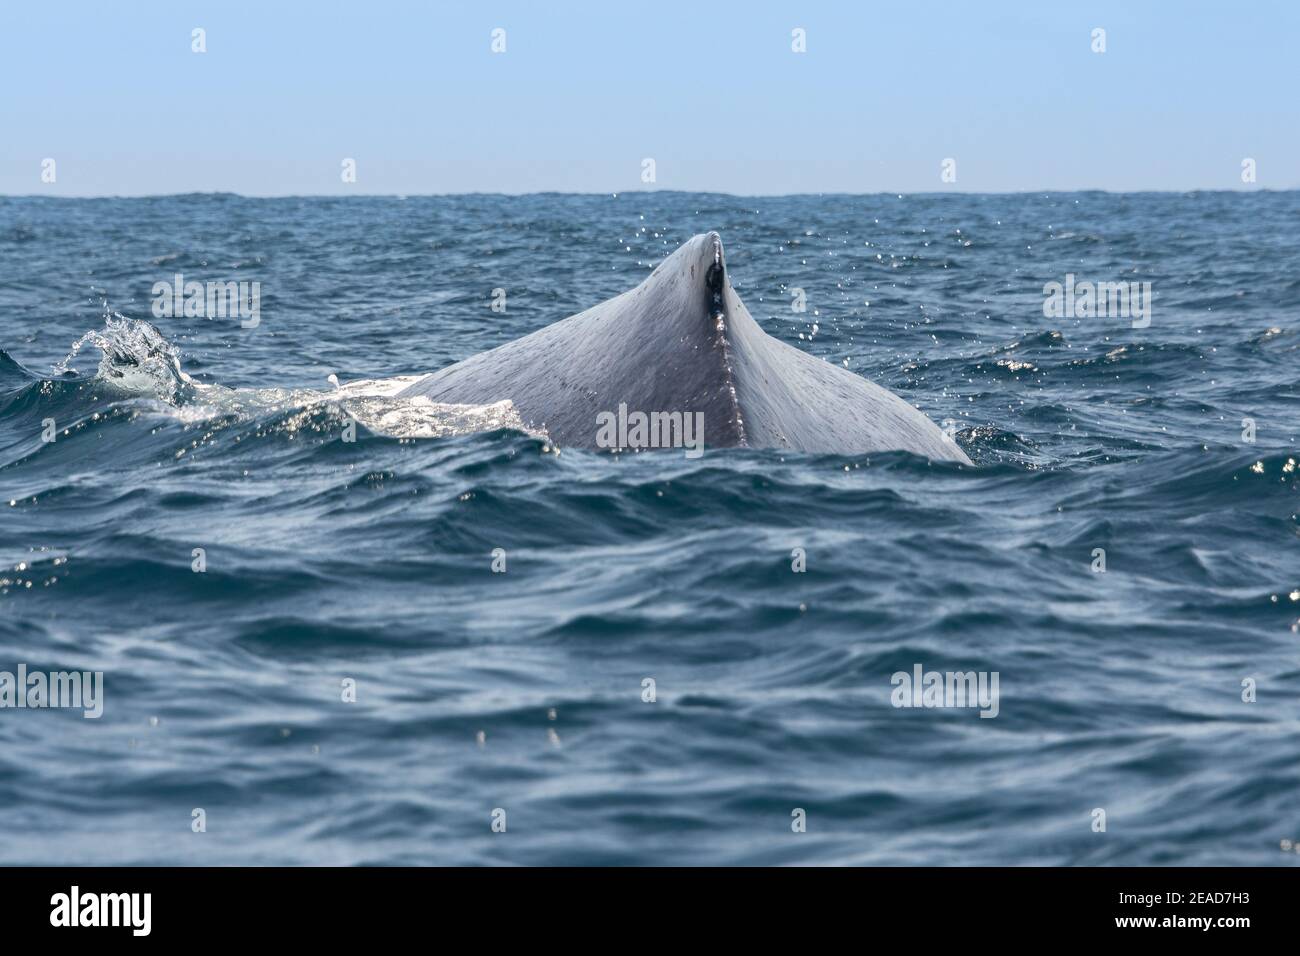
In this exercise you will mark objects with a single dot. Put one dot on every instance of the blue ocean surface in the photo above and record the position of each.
(650, 680)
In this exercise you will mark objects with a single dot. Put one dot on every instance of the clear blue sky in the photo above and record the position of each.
(711, 90)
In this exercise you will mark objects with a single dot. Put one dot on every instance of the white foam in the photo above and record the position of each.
(138, 360)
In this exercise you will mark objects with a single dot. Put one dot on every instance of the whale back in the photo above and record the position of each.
(682, 341)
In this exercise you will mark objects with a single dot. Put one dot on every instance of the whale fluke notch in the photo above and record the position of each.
(682, 341)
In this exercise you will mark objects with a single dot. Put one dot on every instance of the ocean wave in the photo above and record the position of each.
(1123, 555)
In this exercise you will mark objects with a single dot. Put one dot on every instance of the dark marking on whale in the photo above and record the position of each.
(682, 341)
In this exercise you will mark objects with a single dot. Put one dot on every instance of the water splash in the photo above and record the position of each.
(136, 358)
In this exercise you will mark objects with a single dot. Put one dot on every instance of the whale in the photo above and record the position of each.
(681, 352)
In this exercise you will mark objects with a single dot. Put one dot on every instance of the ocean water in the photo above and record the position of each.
(370, 561)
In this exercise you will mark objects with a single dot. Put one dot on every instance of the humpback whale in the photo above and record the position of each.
(682, 347)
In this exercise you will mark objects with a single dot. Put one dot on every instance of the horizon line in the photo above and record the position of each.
(650, 192)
